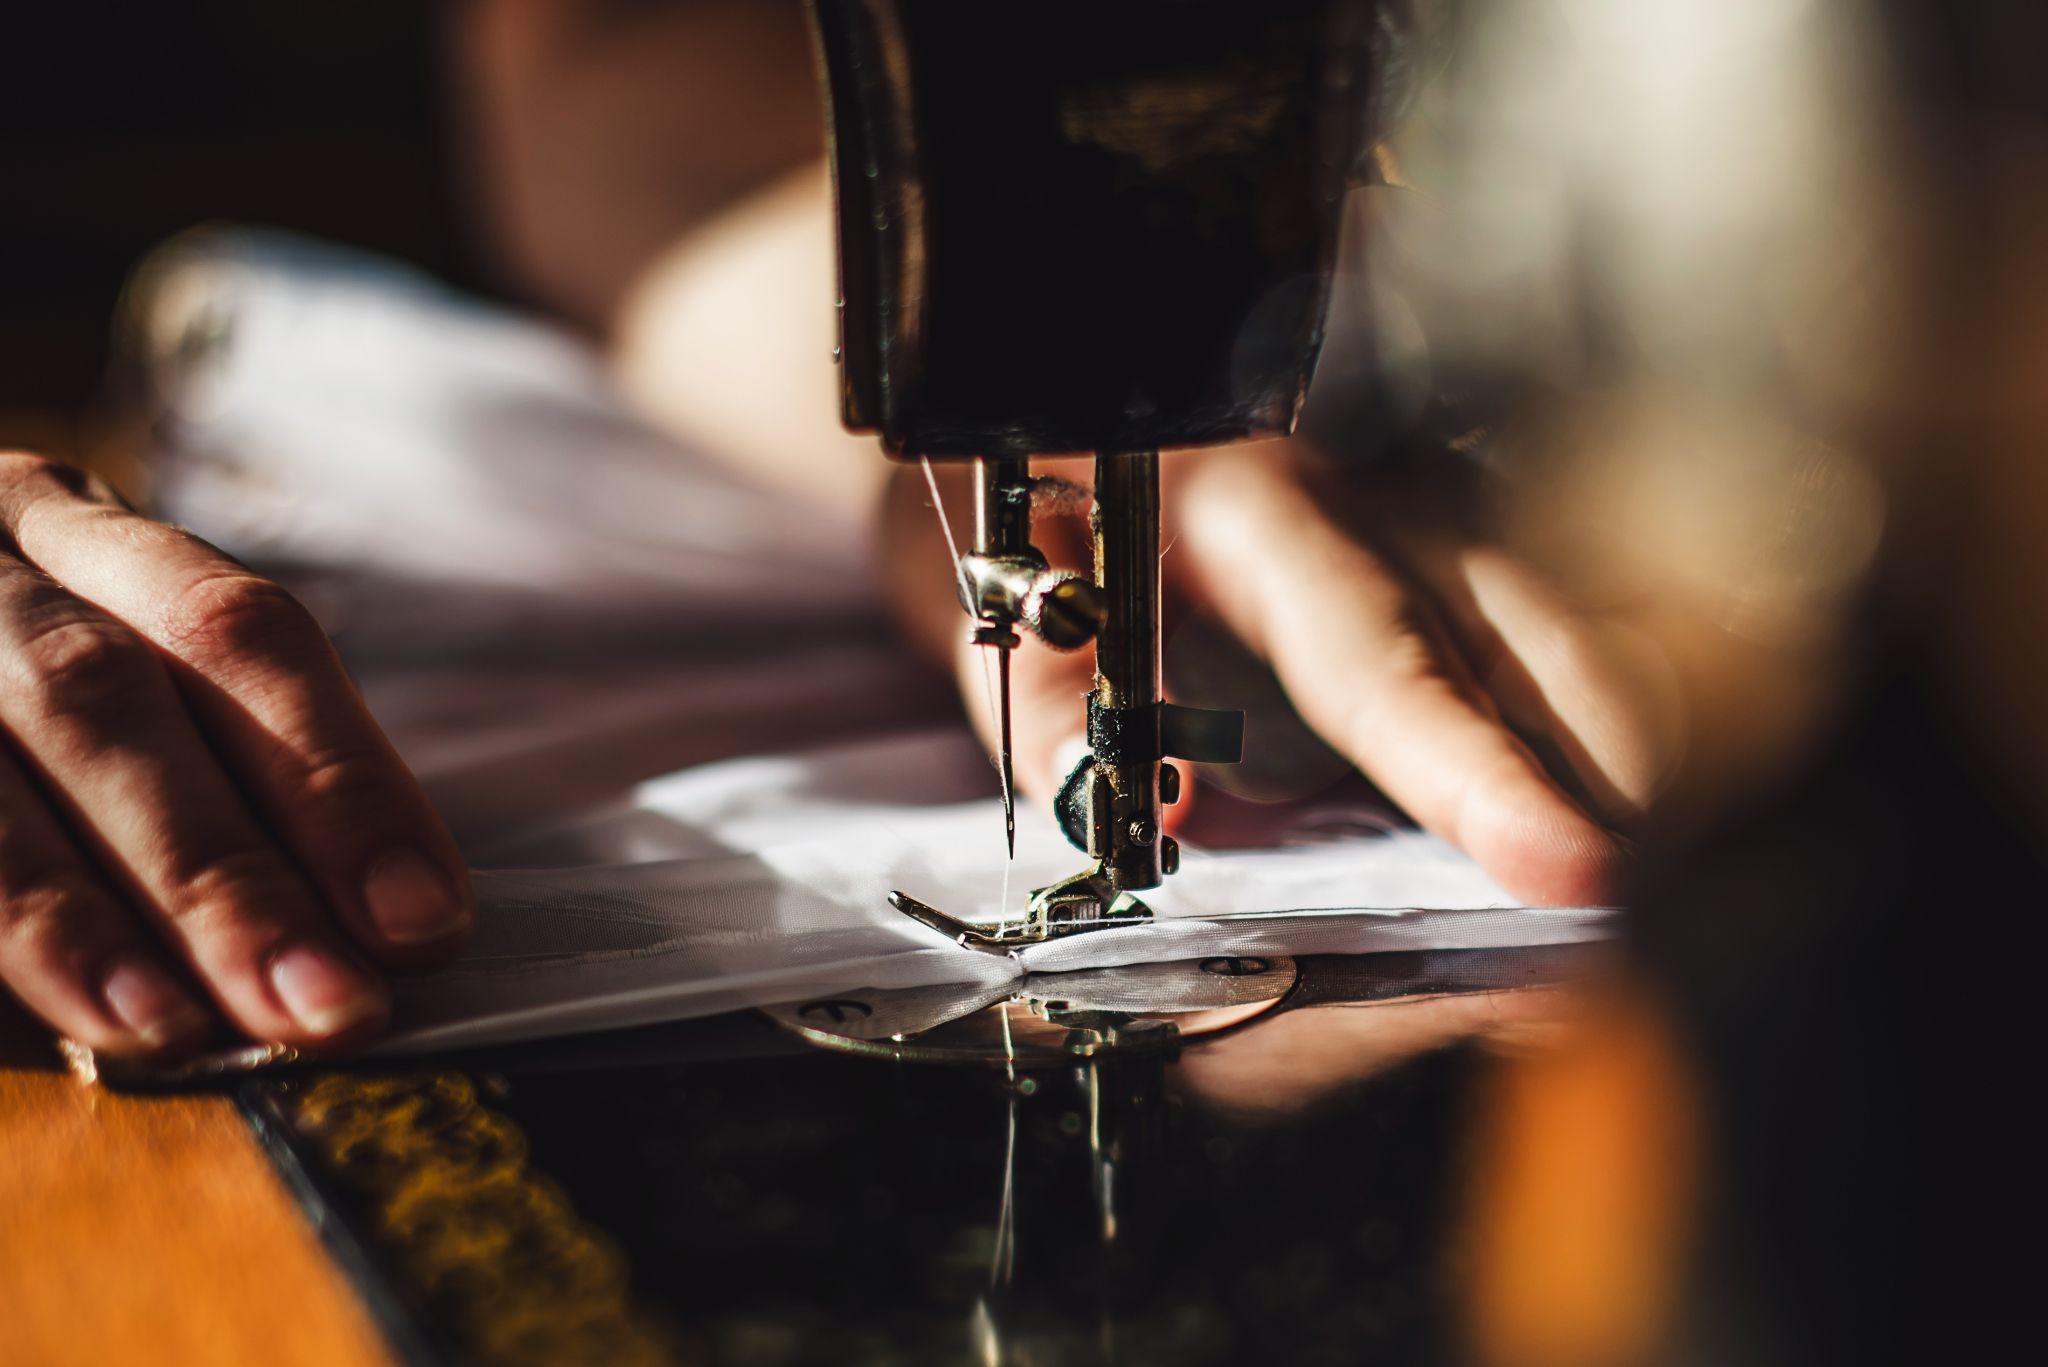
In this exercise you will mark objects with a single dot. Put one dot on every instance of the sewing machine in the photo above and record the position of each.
(1085, 227)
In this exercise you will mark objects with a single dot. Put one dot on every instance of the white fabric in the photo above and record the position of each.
(765, 881)
(545, 599)
(473, 468)
(550, 606)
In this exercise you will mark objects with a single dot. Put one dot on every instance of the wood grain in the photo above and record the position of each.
(152, 1230)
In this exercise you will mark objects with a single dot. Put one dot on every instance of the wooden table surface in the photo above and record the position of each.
(152, 1230)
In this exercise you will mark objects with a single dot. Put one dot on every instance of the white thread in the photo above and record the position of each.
(995, 722)
(931, 482)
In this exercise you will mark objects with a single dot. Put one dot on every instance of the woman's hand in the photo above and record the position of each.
(198, 818)
(1439, 665)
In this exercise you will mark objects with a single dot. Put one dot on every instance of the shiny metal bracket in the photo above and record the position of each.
(1069, 907)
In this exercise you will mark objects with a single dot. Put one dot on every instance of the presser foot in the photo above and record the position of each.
(1071, 906)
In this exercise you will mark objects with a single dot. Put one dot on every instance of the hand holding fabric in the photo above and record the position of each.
(1436, 662)
(197, 815)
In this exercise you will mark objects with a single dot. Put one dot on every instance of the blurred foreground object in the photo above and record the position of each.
(1755, 294)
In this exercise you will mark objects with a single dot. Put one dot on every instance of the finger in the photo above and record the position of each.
(274, 700)
(1367, 666)
(70, 950)
(1590, 695)
(93, 711)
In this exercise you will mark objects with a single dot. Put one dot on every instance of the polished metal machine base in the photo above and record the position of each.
(1055, 1018)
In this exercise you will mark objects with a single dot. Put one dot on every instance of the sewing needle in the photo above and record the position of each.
(1008, 766)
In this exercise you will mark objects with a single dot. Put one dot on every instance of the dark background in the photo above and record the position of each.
(121, 124)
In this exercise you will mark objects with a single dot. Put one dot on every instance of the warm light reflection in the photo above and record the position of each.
(1583, 1204)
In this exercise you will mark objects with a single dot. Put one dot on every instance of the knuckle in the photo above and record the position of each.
(233, 889)
(1355, 723)
(85, 667)
(52, 909)
(356, 782)
(43, 475)
(1409, 649)
(236, 614)
(1408, 665)
(18, 467)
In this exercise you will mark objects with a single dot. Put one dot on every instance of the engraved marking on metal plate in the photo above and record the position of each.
(1235, 966)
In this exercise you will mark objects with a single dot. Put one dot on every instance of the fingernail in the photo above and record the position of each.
(410, 900)
(146, 1000)
(324, 993)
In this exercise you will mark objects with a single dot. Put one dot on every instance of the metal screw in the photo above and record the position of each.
(1141, 832)
(837, 1012)
(1234, 966)
(1063, 609)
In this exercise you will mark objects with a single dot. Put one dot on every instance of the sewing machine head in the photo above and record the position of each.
(1078, 226)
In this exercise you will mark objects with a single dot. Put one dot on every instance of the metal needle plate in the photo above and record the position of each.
(1057, 1017)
